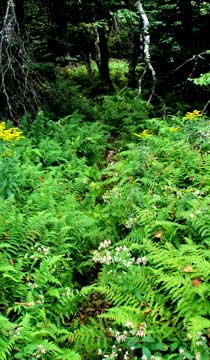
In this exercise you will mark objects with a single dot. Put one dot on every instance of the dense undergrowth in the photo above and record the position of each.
(104, 221)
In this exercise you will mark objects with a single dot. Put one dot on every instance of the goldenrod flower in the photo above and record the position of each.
(193, 115)
(145, 134)
(173, 129)
(189, 190)
(12, 134)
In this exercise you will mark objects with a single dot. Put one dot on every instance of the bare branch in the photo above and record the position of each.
(18, 85)
(205, 107)
(195, 59)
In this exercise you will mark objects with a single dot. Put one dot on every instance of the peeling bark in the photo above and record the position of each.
(146, 40)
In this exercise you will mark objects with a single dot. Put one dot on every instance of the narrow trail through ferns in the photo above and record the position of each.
(105, 238)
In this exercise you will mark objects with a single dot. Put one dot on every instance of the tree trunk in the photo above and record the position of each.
(88, 62)
(187, 32)
(146, 42)
(133, 60)
(104, 56)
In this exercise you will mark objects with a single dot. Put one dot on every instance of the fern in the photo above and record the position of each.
(6, 340)
(117, 296)
(175, 274)
(90, 337)
(68, 354)
(122, 314)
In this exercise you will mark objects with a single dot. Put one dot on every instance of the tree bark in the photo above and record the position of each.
(146, 40)
(133, 60)
(88, 62)
(186, 20)
(104, 56)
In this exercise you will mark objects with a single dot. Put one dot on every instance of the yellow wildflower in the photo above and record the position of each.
(173, 129)
(12, 134)
(193, 115)
(189, 190)
(145, 134)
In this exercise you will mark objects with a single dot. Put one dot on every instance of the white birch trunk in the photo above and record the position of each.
(146, 40)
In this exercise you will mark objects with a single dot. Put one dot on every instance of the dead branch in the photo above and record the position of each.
(18, 85)
(195, 60)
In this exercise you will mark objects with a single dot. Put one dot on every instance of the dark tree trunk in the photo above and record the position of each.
(104, 56)
(88, 62)
(187, 32)
(133, 60)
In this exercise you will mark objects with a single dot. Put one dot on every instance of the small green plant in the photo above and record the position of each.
(198, 127)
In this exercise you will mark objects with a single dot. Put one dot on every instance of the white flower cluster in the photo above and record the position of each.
(68, 292)
(142, 261)
(41, 300)
(129, 324)
(32, 285)
(141, 330)
(15, 332)
(115, 353)
(104, 244)
(121, 337)
(106, 196)
(39, 352)
(109, 158)
(44, 250)
(102, 258)
(181, 351)
(130, 222)
(197, 193)
(123, 257)
(38, 249)
(200, 339)
(109, 193)
(198, 356)
(120, 255)
(126, 356)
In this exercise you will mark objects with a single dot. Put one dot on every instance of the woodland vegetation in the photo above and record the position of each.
(104, 180)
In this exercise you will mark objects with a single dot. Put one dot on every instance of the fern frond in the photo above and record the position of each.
(196, 325)
(90, 337)
(6, 340)
(122, 314)
(118, 297)
(67, 355)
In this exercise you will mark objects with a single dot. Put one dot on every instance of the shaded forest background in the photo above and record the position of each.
(40, 39)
